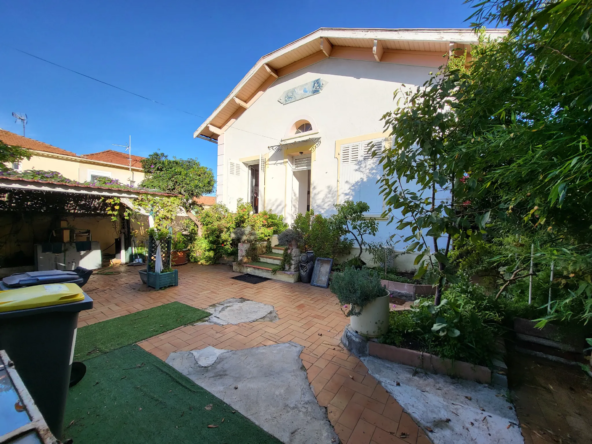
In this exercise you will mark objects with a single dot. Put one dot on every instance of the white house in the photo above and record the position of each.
(294, 134)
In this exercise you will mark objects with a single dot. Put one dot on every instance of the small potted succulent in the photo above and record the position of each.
(364, 299)
(180, 249)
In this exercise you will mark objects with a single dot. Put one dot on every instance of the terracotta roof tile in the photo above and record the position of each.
(117, 157)
(13, 139)
(205, 200)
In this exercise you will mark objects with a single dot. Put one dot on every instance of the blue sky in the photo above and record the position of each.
(187, 54)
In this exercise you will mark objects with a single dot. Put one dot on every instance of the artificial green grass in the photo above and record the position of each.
(130, 396)
(105, 336)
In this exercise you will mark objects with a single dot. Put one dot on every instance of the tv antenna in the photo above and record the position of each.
(22, 119)
(128, 148)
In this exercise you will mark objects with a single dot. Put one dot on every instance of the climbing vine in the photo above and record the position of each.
(113, 208)
(163, 209)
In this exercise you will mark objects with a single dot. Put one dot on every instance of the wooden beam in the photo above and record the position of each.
(215, 130)
(239, 102)
(326, 46)
(377, 50)
(271, 71)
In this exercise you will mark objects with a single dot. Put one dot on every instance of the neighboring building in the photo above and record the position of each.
(85, 168)
(295, 133)
(205, 201)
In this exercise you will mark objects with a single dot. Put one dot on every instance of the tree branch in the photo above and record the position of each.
(415, 220)
(512, 279)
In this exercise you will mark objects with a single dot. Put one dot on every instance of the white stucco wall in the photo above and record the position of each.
(351, 104)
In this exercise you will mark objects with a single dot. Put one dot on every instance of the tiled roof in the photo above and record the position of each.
(205, 200)
(117, 157)
(13, 139)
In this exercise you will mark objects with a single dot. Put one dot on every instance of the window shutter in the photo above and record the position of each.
(262, 165)
(236, 188)
(359, 174)
(302, 163)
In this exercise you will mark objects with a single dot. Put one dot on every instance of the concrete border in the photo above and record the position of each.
(430, 363)
(361, 347)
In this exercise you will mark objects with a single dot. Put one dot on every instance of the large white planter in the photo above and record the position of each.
(373, 322)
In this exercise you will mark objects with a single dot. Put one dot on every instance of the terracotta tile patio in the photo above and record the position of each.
(360, 410)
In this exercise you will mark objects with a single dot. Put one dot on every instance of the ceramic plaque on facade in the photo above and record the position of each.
(302, 92)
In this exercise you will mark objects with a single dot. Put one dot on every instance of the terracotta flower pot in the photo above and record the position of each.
(179, 257)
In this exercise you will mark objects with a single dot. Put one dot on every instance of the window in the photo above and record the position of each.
(93, 175)
(304, 128)
(16, 166)
(360, 173)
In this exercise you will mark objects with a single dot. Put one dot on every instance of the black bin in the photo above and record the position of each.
(40, 342)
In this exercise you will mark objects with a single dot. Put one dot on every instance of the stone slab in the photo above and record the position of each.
(239, 310)
(266, 384)
(455, 410)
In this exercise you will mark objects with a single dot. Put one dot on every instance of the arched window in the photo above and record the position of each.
(304, 128)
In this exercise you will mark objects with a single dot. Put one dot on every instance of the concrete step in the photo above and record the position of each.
(263, 269)
(271, 258)
(278, 249)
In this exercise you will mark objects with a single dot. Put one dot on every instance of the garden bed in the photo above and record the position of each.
(431, 363)
(408, 291)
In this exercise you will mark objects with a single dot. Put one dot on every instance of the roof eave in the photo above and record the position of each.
(457, 35)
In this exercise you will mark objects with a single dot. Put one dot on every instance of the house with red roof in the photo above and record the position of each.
(81, 168)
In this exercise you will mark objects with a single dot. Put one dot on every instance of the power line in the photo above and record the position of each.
(106, 83)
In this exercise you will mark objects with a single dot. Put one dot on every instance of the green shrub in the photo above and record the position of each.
(288, 236)
(215, 241)
(179, 242)
(274, 222)
(356, 288)
(463, 327)
(320, 235)
(383, 254)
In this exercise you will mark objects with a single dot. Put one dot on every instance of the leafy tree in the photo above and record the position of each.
(9, 154)
(186, 177)
(422, 178)
(350, 218)
(506, 134)
(525, 109)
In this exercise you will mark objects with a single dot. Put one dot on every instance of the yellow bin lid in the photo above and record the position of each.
(39, 296)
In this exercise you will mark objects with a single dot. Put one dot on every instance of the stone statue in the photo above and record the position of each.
(295, 253)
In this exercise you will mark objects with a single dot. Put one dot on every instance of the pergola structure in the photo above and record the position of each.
(19, 195)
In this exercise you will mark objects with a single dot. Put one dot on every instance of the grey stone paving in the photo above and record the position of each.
(239, 310)
(457, 411)
(266, 384)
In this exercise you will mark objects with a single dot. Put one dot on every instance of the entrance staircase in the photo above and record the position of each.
(263, 267)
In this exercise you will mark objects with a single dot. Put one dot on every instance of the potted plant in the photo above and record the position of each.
(180, 249)
(158, 273)
(362, 295)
